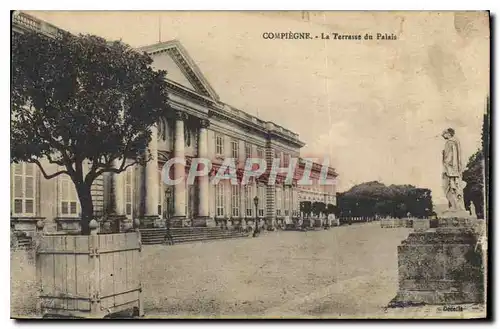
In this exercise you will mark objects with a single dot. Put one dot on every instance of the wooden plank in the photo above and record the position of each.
(128, 269)
(81, 243)
(136, 268)
(71, 274)
(83, 271)
(117, 264)
(105, 283)
(112, 268)
(61, 259)
(95, 272)
(48, 271)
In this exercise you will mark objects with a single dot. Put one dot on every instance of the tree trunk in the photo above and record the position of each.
(87, 207)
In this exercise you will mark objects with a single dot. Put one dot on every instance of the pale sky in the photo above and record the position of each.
(376, 108)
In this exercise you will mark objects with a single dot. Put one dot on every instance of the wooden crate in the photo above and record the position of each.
(89, 276)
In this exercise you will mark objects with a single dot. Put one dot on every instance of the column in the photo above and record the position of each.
(152, 180)
(118, 191)
(203, 182)
(270, 195)
(243, 197)
(179, 169)
(241, 167)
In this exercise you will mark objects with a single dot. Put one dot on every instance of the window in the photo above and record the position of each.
(286, 160)
(68, 197)
(234, 149)
(279, 201)
(279, 155)
(219, 144)
(260, 153)
(219, 199)
(235, 200)
(162, 129)
(262, 200)
(249, 200)
(24, 186)
(248, 150)
(129, 190)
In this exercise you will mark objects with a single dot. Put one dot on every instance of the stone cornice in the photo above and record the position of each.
(178, 89)
(289, 140)
(222, 116)
(316, 167)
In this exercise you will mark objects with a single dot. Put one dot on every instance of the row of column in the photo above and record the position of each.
(152, 177)
(152, 171)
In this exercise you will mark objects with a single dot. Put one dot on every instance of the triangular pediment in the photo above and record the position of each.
(172, 57)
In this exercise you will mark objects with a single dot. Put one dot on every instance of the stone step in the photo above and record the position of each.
(182, 235)
(186, 239)
(181, 230)
(192, 234)
(147, 235)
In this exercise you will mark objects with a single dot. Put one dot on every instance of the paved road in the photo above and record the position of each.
(348, 271)
(345, 271)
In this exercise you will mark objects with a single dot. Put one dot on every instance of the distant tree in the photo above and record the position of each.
(476, 172)
(81, 103)
(306, 208)
(330, 209)
(474, 177)
(374, 198)
(318, 208)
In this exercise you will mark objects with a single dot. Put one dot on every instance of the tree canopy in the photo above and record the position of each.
(374, 198)
(82, 103)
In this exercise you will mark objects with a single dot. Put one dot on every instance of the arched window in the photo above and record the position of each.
(162, 129)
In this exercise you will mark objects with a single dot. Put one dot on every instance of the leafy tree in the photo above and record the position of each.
(82, 103)
(330, 209)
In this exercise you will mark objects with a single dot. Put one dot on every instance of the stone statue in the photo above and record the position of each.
(452, 172)
(472, 210)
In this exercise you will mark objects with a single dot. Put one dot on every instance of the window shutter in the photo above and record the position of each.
(24, 189)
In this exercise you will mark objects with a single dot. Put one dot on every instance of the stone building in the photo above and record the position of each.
(200, 125)
(317, 192)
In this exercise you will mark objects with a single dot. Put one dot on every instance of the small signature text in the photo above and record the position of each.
(451, 308)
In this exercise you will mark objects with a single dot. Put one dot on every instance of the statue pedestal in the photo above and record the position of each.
(463, 214)
(442, 266)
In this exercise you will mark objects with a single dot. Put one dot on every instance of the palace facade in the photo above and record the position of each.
(200, 125)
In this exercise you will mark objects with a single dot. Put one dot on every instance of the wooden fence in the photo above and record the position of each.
(89, 276)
